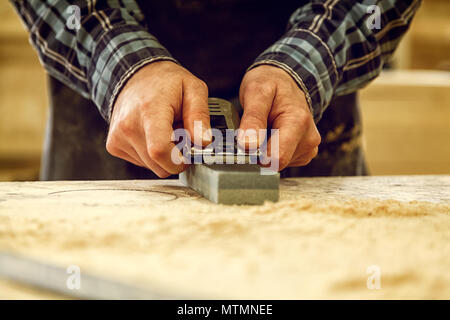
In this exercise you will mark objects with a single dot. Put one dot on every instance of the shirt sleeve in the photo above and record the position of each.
(99, 54)
(335, 47)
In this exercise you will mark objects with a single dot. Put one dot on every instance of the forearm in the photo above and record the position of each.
(97, 59)
(331, 47)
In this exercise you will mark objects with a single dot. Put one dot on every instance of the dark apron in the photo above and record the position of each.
(216, 41)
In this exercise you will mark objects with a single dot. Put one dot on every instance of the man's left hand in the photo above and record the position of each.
(270, 96)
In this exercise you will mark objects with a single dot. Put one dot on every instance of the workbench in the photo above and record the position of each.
(323, 239)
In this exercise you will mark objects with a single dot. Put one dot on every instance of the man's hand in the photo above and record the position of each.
(269, 96)
(141, 128)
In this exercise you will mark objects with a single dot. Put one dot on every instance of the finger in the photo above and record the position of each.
(256, 100)
(137, 150)
(126, 156)
(308, 144)
(304, 159)
(149, 163)
(292, 127)
(195, 108)
(157, 144)
(116, 147)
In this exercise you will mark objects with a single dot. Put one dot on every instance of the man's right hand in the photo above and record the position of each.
(155, 97)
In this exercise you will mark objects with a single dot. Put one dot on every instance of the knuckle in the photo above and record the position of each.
(264, 88)
(252, 86)
(303, 119)
(199, 85)
(143, 106)
(111, 146)
(126, 128)
(316, 139)
(156, 152)
(162, 174)
(292, 141)
(255, 116)
(202, 84)
(283, 161)
(312, 142)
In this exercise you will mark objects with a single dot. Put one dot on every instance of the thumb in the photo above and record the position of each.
(256, 100)
(195, 111)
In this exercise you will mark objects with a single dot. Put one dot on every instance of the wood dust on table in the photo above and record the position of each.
(324, 239)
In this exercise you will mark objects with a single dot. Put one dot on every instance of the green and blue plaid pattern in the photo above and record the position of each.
(328, 48)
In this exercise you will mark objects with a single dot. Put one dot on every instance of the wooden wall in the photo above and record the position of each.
(406, 122)
(430, 36)
(406, 115)
(23, 101)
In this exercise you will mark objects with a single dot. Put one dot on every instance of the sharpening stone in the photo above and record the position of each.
(232, 183)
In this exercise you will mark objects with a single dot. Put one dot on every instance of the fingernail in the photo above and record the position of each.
(248, 138)
(240, 135)
(252, 140)
(207, 135)
(181, 158)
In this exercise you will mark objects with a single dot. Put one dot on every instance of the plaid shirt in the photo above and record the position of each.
(331, 47)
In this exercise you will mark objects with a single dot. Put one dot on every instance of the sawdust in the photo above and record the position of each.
(297, 248)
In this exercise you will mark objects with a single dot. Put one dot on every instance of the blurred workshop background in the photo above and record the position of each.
(406, 111)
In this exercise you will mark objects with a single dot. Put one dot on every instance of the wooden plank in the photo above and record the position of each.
(23, 100)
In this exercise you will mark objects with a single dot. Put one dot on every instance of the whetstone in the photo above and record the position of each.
(232, 183)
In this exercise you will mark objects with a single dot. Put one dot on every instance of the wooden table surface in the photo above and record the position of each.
(160, 232)
(431, 188)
